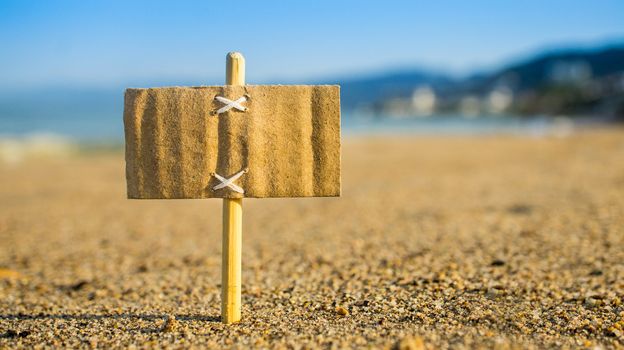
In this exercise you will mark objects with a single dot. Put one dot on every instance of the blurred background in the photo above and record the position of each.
(404, 66)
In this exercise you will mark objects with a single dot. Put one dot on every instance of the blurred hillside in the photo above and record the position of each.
(571, 82)
(574, 82)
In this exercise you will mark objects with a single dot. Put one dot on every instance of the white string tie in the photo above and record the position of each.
(229, 182)
(229, 104)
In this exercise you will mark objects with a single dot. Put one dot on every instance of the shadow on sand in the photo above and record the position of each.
(124, 316)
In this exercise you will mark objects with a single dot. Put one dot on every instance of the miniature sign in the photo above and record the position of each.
(233, 141)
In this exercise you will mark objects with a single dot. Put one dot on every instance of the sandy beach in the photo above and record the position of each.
(436, 242)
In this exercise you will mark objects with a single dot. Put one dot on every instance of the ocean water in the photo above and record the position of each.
(455, 125)
(108, 128)
(81, 129)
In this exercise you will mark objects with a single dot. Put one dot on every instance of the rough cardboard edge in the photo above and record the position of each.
(221, 86)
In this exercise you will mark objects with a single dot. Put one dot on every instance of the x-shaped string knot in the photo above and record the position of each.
(229, 104)
(229, 182)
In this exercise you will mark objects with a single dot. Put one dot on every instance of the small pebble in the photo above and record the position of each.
(497, 262)
(410, 343)
(170, 324)
(342, 311)
(9, 274)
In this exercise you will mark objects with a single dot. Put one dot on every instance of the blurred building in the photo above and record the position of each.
(499, 100)
(423, 101)
(470, 106)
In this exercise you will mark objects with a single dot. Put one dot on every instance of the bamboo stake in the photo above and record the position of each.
(232, 222)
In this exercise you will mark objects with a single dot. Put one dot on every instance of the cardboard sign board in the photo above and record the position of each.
(233, 141)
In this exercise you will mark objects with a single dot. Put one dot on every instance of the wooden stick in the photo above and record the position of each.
(232, 222)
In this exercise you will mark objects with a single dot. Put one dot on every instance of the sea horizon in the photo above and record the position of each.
(108, 129)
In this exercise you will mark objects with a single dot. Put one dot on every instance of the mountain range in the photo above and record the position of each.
(571, 81)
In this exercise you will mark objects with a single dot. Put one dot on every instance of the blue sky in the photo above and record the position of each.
(104, 43)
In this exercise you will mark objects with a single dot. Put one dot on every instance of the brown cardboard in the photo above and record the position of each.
(288, 139)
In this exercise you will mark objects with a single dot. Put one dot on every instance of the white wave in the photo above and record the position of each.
(16, 149)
